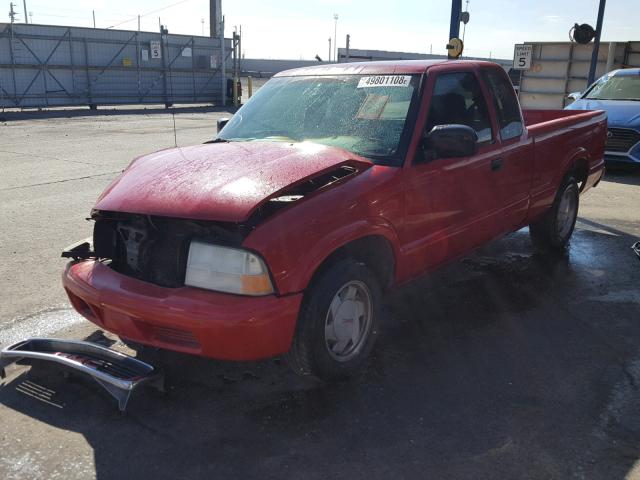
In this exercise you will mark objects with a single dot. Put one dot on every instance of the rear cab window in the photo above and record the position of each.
(505, 103)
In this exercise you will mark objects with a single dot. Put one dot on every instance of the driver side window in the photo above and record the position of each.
(458, 99)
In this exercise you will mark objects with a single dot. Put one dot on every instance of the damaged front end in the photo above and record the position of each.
(81, 250)
(301, 190)
(150, 248)
(155, 249)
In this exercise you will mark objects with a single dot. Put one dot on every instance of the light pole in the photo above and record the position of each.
(596, 44)
(335, 37)
(329, 49)
(454, 27)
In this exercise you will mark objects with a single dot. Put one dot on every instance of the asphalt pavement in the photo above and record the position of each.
(506, 364)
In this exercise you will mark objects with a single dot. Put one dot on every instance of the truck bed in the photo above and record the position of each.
(563, 140)
(543, 121)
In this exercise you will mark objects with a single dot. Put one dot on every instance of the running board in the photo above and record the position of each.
(117, 373)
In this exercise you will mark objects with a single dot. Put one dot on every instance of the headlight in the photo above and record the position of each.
(226, 269)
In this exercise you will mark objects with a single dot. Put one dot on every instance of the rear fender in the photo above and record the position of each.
(572, 163)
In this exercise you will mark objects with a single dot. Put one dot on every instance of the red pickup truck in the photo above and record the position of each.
(330, 186)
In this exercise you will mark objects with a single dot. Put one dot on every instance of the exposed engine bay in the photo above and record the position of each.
(154, 249)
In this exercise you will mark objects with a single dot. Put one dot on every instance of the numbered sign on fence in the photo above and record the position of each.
(522, 57)
(156, 51)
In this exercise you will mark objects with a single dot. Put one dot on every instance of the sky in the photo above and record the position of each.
(300, 29)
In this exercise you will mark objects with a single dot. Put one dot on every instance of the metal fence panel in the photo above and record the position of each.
(560, 68)
(42, 65)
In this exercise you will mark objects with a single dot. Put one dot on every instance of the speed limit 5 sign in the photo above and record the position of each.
(522, 57)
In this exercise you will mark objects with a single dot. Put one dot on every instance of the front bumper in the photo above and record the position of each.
(190, 320)
(630, 157)
(621, 159)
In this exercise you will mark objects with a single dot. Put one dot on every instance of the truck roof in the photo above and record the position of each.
(377, 68)
(625, 72)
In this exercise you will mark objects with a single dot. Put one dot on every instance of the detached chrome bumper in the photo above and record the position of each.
(116, 372)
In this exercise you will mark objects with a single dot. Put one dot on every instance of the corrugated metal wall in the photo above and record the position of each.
(262, 68)
(558, 69)
(42, 66)
(358, 55)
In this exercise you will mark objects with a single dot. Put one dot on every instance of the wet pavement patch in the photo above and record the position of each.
(507, 364)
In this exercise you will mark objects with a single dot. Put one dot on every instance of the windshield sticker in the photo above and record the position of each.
(385, 81)
(372, 107)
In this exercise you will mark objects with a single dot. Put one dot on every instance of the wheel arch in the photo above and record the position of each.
(578, 166)
(374, 250)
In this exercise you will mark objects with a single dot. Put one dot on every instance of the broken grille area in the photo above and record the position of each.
(154, 249)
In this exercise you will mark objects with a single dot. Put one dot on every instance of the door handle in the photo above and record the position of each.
(496, 164)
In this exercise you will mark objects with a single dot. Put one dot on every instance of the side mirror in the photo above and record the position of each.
(222, 122)
(451, 141)
(574, 96)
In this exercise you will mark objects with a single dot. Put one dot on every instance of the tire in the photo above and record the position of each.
(329, 343)
(552, 232)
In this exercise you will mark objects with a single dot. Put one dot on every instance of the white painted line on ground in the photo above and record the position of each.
(39, 324)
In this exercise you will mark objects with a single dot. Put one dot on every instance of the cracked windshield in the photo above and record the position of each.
(363, 114)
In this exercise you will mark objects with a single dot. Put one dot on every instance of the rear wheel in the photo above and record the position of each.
(338, 322)
(553, 231)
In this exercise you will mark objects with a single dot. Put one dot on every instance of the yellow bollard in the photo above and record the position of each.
(250, 86)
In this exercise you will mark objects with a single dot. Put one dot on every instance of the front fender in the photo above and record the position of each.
(295, 241)
(314, 257)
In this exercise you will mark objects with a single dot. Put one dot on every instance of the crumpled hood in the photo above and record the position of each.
(620, 113)
(218, 181)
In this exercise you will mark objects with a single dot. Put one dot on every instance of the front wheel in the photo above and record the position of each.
(338, 322)
(553, 231)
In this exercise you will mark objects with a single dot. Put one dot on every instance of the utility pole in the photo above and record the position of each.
(335, 38)
(94, 18)
(454, 26)
(348, 46)
(138, 23)
(24, 5)
(12, 13)
(223, 67)
(329, 48)
(215, 18)
(596, 44)
(202, 21)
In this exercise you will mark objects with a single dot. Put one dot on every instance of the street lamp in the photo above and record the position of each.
(335, 37)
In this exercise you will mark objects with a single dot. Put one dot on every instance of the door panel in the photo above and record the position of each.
(452, 204)
(446, 208)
